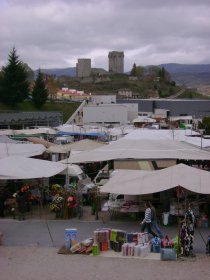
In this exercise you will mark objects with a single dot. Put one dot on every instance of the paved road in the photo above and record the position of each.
(50, 233)
(30, 247)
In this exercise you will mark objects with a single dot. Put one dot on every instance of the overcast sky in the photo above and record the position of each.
(55, 33)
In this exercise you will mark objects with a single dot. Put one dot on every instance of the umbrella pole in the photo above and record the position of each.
(179, 226)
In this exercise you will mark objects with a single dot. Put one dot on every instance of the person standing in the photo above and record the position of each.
(2, 202)
(21, 202)
(154, 224)
(146, 223)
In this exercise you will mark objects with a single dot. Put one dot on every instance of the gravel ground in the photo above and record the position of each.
(30, 263)
(30, 247)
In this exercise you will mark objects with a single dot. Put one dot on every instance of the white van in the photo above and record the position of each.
(74, 174)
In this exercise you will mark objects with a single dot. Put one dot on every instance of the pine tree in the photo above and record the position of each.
(40, 92)
(133, 70)
(14, 84)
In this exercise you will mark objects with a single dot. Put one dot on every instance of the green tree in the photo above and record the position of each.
(140, 71)
(164, 75)
(40, 92)
(30, 72)
(52, 87)
(14, 84)
(133, 70)
(205, 124)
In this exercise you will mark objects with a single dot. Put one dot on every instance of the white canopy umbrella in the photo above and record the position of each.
(145, 149)
(16, 167)
(140, 182)
(27, 150)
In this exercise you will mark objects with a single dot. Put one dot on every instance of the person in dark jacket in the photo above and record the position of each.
(2, 202)
(21, 202)
(154, 224)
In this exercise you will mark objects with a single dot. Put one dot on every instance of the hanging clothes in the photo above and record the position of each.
(187, 233)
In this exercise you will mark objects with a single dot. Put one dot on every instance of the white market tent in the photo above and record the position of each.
(143, 119)
(26, 150)
(6, 139)
(145, 149)
(40, 130)
(140, 182)
(75, 147)
(16, 167)
(59, 149)
(78, 146)
(86, 145)
(186, 135)
(37, 140)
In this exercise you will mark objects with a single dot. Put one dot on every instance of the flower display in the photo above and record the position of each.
(71, 201)
(24, 189)
(57, 203)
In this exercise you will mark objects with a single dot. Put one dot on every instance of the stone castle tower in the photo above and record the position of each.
(83, 67)
(116, 62)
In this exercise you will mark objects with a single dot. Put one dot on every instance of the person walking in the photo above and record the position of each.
(154, 224)
(146, 223)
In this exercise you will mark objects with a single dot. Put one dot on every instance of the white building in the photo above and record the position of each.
(125, 93)
(110, 113)
(105, 113)
(103, 99)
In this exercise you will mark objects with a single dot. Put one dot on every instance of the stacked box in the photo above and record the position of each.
(168, 254)
(144, 250)
(69, 235)
(137, 249)
(131, 249)
(125, 249)
(129, 237)
(155, 248)
(132, 237)
(156, 244)
(117, 246)
(101, 238)
(142, 237)
(113, 236)
(121, 236)
(105, 229)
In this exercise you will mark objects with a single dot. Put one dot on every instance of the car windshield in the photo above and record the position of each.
(82, 176)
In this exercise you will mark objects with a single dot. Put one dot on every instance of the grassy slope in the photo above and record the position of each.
(67, 108)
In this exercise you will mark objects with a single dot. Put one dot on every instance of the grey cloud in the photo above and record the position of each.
(56, 33)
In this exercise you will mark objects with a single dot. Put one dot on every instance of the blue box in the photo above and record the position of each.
(168, 254)
(155, 248)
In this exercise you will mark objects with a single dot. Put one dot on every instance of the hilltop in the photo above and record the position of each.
(189, 75)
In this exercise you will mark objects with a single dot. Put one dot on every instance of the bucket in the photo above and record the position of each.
(69, 234)
(165, 218)
(95, 249)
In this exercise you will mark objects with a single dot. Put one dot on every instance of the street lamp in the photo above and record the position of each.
(201, 131)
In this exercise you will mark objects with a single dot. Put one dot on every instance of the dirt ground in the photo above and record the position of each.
(32, 263)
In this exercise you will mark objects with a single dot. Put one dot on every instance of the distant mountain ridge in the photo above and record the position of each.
(58, 72)
(186, 68)
(191, 75)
